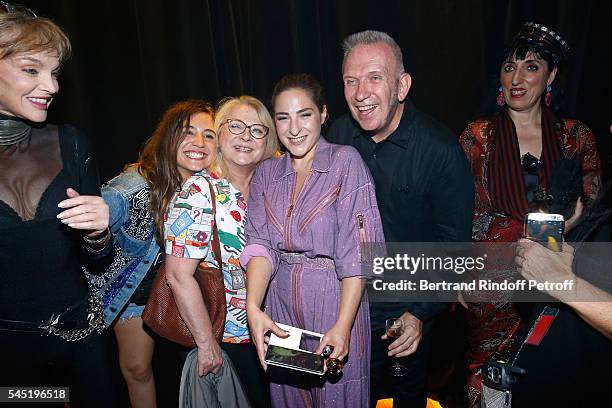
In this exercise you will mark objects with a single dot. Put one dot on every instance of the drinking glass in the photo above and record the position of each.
(394, 329)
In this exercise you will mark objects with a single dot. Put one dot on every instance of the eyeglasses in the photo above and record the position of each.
(237, 127)
(16, 8)
(530, 163)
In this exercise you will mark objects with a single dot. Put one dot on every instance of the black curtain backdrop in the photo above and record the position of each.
(133, 58)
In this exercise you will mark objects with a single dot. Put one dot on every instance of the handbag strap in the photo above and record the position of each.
(215, 242)
(538, 329)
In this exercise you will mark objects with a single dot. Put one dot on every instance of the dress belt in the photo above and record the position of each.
(20, 326)
(40, 326)
(297, 258)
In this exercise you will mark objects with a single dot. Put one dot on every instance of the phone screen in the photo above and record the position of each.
(296, 359)
(548, 232)
(309, 342)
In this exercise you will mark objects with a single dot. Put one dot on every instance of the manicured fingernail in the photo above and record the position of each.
(61, 204)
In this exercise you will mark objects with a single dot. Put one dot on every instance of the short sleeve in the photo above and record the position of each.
(258, 236)
(188, 227)
(360, 233)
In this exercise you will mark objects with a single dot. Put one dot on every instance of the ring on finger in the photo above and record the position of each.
(334, 366)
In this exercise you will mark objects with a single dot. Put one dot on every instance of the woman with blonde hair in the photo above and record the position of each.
(246, 137)
(52, 222)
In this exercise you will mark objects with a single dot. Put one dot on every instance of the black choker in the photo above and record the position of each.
(13, 130)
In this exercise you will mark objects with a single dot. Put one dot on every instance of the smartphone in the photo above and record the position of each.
(296, 351)
(546, 229)
(295, 359)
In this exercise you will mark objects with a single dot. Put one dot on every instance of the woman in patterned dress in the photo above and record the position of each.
(311, 214)
(246, 136)
(514, 156)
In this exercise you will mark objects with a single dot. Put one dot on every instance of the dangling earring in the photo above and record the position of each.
(501, 101)
(548, 96)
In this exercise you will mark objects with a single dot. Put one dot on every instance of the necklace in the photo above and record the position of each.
(13, 131)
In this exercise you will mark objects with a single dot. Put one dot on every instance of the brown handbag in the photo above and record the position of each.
(161, 313)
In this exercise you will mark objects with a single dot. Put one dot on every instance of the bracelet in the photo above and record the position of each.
(101, 241)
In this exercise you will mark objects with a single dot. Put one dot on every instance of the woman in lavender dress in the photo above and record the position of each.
(311, 213)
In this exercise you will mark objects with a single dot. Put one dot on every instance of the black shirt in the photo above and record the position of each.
(424, 188)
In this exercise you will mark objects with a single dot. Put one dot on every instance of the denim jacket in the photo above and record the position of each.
(135, 249)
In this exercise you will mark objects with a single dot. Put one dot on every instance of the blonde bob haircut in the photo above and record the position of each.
(224, 108)
(21, 33)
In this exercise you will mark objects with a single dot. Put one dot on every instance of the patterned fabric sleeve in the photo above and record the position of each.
(589, 158)
(467, 140)
(472, 141)
(359, 223)
(188, 227)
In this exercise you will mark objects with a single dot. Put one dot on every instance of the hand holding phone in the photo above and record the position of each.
(296, 351)
(260, 325)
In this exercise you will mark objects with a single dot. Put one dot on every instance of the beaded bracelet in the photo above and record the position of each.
(99, 243)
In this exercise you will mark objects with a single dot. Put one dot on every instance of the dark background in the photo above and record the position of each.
(132, 58)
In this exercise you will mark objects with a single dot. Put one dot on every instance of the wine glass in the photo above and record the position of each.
(394, 329)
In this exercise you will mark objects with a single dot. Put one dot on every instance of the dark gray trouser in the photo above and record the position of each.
(212, 390)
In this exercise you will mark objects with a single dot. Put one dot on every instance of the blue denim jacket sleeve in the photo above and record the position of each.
(135, 249)
(117, 206)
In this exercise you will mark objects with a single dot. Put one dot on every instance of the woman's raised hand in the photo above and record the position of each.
(84, 212)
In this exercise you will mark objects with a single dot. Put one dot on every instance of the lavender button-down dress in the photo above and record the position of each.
(312, 245)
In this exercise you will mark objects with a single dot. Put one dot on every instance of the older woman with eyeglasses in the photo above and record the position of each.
(246, 136)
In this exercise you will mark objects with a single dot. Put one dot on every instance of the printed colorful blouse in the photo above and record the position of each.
(188, 234)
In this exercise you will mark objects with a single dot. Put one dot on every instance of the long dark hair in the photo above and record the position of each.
(157, 161)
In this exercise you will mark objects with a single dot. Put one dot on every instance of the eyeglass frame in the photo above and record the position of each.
(17, 8)
(227, 121)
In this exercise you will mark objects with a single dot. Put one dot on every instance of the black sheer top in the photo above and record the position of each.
(40, 258)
